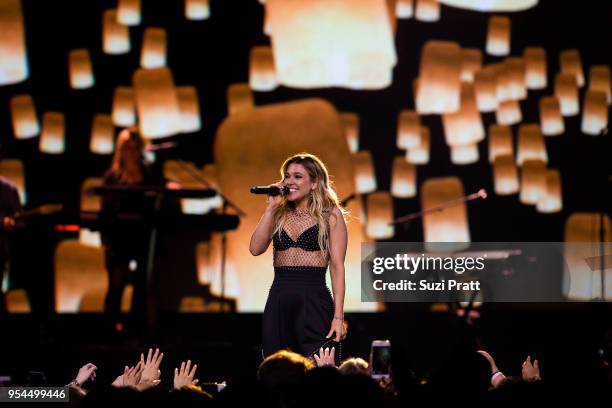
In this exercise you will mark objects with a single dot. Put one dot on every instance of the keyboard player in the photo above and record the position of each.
(126, 246)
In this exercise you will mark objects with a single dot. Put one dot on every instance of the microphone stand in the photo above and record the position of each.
(480, 194)
(440, 207)
(226, 203)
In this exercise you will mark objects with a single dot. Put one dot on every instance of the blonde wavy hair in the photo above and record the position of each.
(322, 199)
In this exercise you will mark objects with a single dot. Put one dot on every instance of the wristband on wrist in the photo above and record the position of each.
(75, 382)
(495, 375)
(339, 318)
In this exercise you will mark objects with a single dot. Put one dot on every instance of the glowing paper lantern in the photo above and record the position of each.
(508, 113)
(587, 227)
(81, 71)
(420, 154)
(350, 122)
(156, 103)
(128, 12)
(501, 80)
(439, 86)
(267, 29)
(471, 61)
(595, 113)
(90, 203)
(464, 127)
(566, 91)
(408, 130)
(23, 115)
(404, 8)
(209, 173)
(485, 87)
(189, 105)
(571, 63)
(81, 280)
(533, 182)
(124, 108)
(102, 140)
(153, 53)
(464, 154)
(189, 176)
(551, 119)
(52, 134)
(239, 98)
(17, 301)
(322, 43)
(599, 80)
(500, 142)
(380, 213)
(209, 256)
(115, 37)
(450, 224)
(13, 170)
(531, 144)
(498, 36)
(516, 74)
(403, 178)
(197, 9)
(505, 175)
(535, 65)
(427, 10)
(262, 74)
(491, 5)
(13, 56)
(365, 178)
(551, 201)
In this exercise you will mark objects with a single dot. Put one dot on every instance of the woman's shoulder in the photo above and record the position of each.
(333, 213)
(332, 209)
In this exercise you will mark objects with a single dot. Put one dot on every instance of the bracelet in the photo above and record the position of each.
(75, 382)
(339, 318)
(495, 375)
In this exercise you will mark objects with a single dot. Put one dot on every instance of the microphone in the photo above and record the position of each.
(270, 190)
(160, 146)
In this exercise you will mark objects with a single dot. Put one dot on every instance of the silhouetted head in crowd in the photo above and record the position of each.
(354, 365)
(283, 368)
(189, 396)
(323, 387)
(281, 373)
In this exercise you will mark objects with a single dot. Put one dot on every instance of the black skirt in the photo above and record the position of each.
(298, 312)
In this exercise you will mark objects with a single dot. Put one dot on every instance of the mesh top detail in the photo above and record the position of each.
(297, 243)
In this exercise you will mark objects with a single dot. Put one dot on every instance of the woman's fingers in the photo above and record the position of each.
(193, 370)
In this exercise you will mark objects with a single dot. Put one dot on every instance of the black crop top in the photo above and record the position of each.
(297, 243)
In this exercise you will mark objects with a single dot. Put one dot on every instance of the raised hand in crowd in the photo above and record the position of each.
(530, 372)
(497, 377)
(151, 371)
(184, 376)
(130, 378)
(326, 357)
(86, 373)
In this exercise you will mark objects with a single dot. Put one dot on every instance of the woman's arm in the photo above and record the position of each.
(260, 240)
(337, 248)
